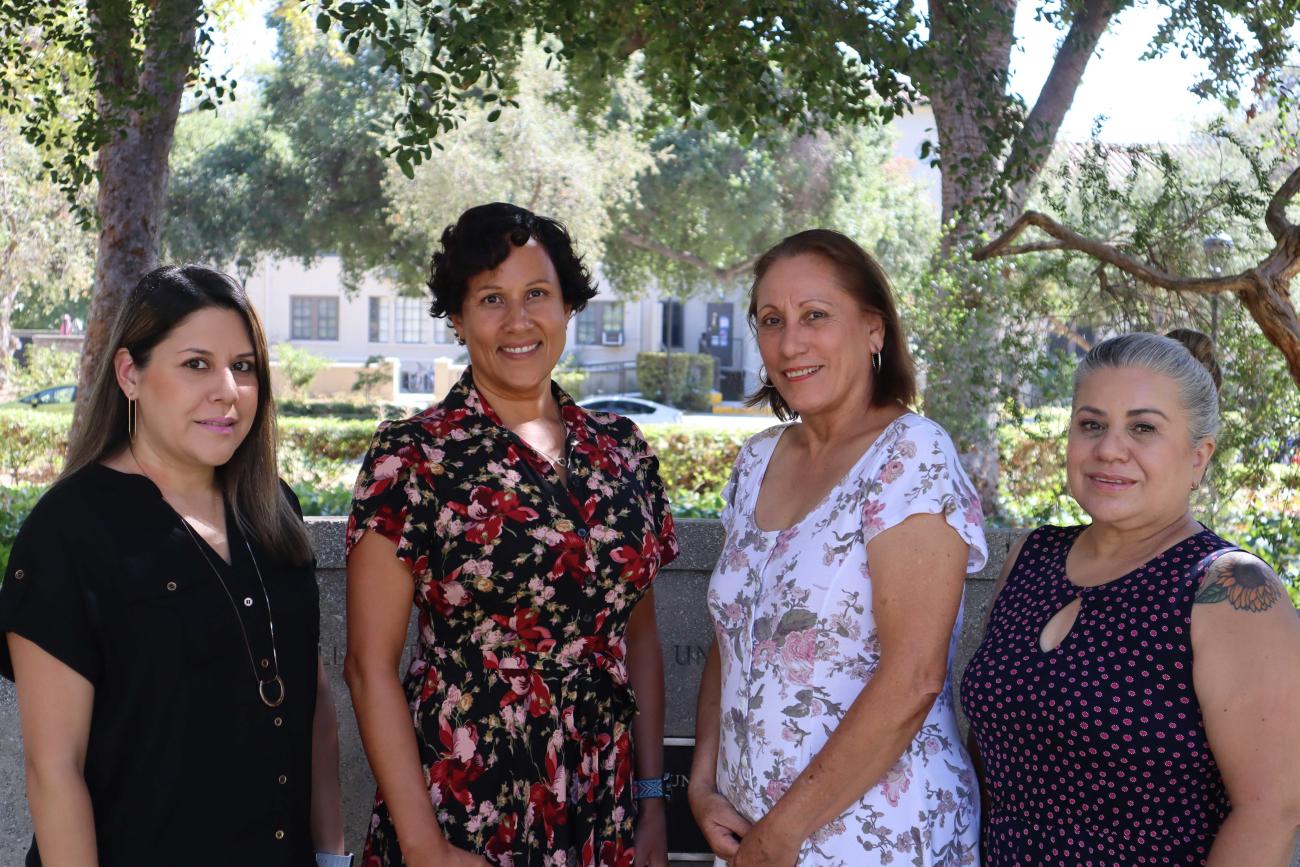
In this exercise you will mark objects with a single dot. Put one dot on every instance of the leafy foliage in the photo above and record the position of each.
(299, 366)
(46, 367)
(45, 256)
(681, 379)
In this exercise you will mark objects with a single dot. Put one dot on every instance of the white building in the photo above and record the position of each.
(307, 306)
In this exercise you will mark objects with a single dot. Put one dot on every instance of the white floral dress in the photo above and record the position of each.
(793, 621)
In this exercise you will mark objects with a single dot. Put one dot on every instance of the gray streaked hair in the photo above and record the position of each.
(1185, 356)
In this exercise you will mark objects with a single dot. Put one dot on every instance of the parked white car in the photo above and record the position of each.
(638, 409)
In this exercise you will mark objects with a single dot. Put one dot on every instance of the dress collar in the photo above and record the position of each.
(464, 395)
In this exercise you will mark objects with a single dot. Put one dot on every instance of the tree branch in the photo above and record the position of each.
(1070, 240)
(1033, 144)
(727, 274)
(1275, 216)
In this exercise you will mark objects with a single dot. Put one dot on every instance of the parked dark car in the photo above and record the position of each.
(59, 394)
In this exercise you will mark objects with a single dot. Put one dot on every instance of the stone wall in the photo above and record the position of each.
(683, 625)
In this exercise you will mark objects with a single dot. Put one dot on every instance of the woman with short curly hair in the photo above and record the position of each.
(530, 531)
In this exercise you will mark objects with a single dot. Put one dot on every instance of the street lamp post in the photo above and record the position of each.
(1217, 247)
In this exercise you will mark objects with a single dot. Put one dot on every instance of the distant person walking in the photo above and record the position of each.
(160, 615)
(826, 733)
(65, 324)
(1136, 699)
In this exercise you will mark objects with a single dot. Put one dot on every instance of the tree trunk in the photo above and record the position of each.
(142, 97)
(989, 162)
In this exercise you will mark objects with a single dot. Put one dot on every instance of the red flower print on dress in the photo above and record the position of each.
(461, 766)
(501, 844)
(639, 566)
(571, 559)
(487, 511)
(518, 689)
(614, 854)
(523, 623)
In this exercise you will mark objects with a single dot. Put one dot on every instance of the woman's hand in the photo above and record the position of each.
(767, 844)
(651, 834)
(722, 826)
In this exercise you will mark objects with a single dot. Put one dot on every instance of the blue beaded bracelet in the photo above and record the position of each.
(651, 788)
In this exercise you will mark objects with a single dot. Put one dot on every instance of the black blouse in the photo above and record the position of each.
(185, 764)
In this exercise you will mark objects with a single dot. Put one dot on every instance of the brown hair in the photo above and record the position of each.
(865, 280)
(157, 304)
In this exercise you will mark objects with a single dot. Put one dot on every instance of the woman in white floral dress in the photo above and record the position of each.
(826, 733)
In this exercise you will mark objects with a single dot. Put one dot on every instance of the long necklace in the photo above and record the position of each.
(276, 679)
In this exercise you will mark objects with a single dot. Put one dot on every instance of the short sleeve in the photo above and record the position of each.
(44, 598)
(660, 507)
(387, 491)
(919, 473)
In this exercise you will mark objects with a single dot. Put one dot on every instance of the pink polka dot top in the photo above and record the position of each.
(1094, 752)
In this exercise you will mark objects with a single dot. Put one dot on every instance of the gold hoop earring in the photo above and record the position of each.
(130, 419)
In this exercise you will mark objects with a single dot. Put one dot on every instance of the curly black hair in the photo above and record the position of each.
(482, 239)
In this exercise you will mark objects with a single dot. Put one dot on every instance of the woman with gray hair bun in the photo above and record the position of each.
(1136, 698)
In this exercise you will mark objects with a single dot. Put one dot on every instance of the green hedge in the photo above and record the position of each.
(320, 457)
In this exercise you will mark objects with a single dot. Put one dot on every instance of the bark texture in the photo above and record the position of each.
(139, 89)
(990, 161)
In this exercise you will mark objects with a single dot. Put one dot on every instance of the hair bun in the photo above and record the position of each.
(1201, 347)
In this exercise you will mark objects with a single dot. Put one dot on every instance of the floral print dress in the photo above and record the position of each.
(792, 614)
(524, 587)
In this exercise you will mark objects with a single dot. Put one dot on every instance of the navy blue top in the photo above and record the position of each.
(1094, 752)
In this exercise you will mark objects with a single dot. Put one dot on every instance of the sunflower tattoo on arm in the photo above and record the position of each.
(1244, 581)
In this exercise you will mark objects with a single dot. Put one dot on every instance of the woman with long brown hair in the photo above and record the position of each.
(160, 609)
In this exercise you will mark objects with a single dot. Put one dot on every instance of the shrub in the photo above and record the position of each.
(340, 409)
(1031, 485)
(695, 461)
(45, 367)
(570, 377)
(299, 366)
(689, 384)
(374, 376)
(32, 444)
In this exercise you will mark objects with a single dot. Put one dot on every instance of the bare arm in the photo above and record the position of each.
(721, 825)
(646, 671)
(917, 573)
(380, 590)
(326, 794)
(54, 709)
(1246, 668)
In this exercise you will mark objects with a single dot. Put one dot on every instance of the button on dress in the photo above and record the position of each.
(523, 587)
(792, 613)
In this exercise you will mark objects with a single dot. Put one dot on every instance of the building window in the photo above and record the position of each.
(674, 314)
(381, 316)
(443, 333)
(410, 320)
(600, 324)
(399, 320)
(313, 318)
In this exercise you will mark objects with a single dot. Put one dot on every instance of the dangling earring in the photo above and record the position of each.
(875, 361)
(130, 418)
